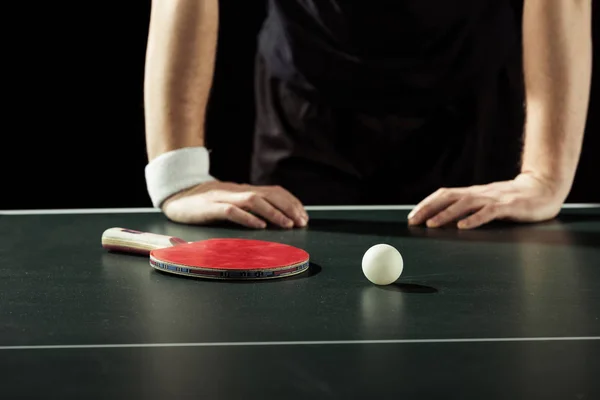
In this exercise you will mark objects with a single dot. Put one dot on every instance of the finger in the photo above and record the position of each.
(481, 217)
(284, 200)
(236, 215)
(288, 204)
(432, 205)
(212, 212)
(255, 203)
(459, 209)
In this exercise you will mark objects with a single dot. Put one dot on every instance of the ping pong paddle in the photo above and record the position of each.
(218, 258)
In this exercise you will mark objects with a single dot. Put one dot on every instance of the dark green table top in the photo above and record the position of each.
(507, 311)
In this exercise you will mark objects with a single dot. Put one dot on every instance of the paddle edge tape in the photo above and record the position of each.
(223, 274)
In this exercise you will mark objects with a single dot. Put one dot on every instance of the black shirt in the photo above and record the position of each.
(418, 53)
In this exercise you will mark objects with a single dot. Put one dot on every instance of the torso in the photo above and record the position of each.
(415, 50)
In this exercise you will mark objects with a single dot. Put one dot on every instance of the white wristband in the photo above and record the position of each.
(176, 170)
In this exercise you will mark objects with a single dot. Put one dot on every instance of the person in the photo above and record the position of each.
(467, 109)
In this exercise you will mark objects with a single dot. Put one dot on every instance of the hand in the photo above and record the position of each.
(527, 198)
(250, 206)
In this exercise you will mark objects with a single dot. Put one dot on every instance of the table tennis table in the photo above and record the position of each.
(506, 311)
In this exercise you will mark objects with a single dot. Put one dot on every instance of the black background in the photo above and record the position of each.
(73, 131)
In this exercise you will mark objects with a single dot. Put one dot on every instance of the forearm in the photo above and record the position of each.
(178, 73)
(557, 65)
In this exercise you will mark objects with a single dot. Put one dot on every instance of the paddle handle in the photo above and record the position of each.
(132, 241)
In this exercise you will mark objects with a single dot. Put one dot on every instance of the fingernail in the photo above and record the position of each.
(288, 223)
(412, 213)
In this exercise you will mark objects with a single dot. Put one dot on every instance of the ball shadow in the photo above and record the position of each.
(412, 288)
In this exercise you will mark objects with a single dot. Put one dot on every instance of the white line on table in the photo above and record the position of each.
(308, 208)
(302, 343)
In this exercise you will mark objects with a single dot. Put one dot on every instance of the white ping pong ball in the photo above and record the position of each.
(382, 264)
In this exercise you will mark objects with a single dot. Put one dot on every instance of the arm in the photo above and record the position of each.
(557, 46)
(557, 61)
(179, 70)
(180, 62)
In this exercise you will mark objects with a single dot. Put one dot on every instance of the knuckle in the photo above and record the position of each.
(449, 193)
(274, 214)
(229, 210)
(273, 189)
(443, 215)
(474, 202)
(289, 209)
(493, 209)
(470, 196)
(516, 203)
(251, 197)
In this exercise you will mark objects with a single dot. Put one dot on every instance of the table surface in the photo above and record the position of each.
(507, 311)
